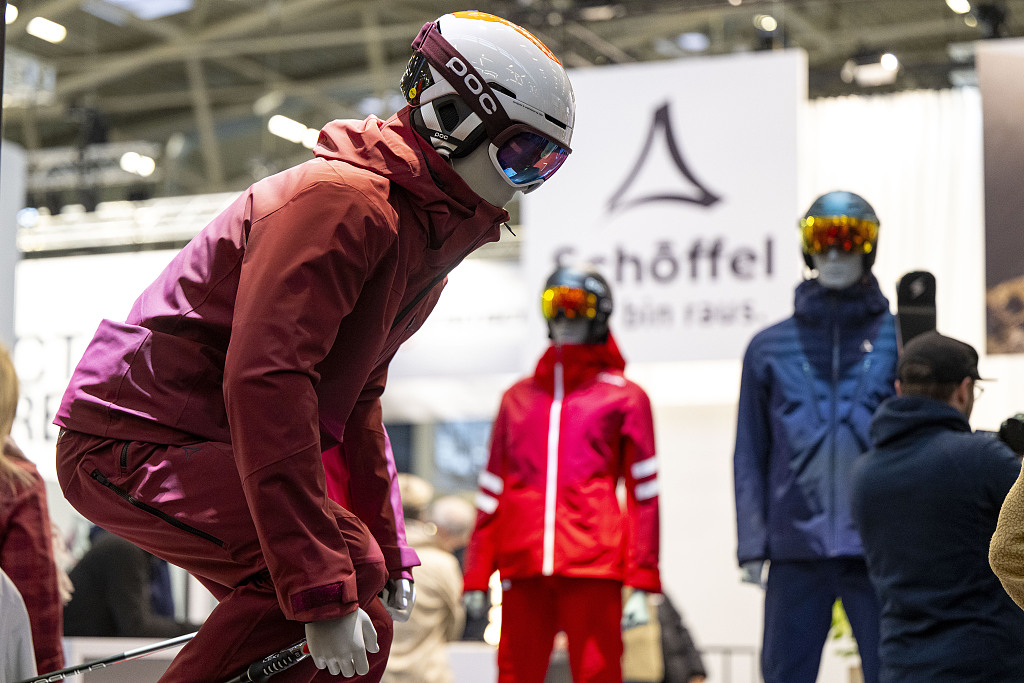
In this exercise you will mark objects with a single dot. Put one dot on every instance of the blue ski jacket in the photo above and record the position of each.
(808, 389)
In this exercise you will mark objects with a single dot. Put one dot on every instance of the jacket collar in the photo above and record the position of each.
(580, 364)
(392, 149)
(813, 303)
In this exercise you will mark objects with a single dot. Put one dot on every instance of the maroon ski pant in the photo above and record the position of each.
(185, 505)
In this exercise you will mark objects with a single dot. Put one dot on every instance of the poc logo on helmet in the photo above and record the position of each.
(458, 67)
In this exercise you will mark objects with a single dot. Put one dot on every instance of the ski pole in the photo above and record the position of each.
(273, 664)
(113, 659)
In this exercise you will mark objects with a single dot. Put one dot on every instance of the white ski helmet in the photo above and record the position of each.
(474, 76)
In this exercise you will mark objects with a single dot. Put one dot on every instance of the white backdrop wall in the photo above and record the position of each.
(915, 156)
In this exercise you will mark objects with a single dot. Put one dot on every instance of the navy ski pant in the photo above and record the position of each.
(798, 615)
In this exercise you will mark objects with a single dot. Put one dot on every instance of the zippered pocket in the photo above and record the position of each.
(135, 502)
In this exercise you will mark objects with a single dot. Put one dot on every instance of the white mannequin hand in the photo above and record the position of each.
(475, 603)
(635, 612)
(340, 645)
(752, 571)
(399, 597)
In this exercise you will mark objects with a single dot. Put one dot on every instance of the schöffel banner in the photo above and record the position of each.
(682, 190)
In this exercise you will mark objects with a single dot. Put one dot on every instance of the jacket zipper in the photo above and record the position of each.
(834, 425)
(551, 481)
(135, 502)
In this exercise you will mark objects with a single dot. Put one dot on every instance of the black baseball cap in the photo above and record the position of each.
(932, 357)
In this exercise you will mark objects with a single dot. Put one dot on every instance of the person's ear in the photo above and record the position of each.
(964, 393)
(899, 388)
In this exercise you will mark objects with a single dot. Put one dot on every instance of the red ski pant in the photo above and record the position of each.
(185, 504)
(534, 610)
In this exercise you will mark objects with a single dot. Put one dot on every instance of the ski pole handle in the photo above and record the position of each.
(273, 664)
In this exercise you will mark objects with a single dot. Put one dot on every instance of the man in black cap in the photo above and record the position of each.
(925, 499)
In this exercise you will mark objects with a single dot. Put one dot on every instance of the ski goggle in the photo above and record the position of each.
(818, 234)
(526, 156)
(569, 302)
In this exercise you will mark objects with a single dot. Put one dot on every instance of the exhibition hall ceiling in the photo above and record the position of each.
(193, 83)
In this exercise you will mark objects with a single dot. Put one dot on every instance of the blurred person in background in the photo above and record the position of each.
(418, 649)
(925, 499)
(119, 593)
(26, 543)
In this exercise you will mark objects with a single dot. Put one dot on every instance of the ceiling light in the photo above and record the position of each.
(766, 22)
(869, 70)
(139, 164)
(292, 131)
(693, 41)
(47, 30)
(600, 12)
(971, 21)
(735, 3)
(10, 14)
(959, 6)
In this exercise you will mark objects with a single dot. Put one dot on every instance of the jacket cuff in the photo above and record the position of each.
(646, 580)
(330, 601)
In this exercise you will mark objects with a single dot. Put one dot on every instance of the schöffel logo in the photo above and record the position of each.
(660, 133)
(458, 67)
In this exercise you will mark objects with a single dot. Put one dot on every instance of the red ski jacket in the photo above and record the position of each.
(273, 328)
(562, 441)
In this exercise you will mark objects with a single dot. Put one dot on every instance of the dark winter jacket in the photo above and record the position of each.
(809, 387)
(926, 499)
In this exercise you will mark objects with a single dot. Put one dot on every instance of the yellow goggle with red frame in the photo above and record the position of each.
(569, 302)
(818, 234)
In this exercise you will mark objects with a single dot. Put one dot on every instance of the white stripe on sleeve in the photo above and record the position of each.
(490, 481)
(644, 468)
(485, 503)
(646, 490)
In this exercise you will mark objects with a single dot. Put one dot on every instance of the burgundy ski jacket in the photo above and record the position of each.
(272, 330)
(562, 441)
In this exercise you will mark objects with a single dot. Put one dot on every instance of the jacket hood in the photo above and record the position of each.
(393, 150)
(580, 363)
(903, 416)
(857, 303)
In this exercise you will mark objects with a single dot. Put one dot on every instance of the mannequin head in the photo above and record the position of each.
(520, 115)
(838, 225)
(576, 304)
(838, 269)
(482, 177)
(565, 331)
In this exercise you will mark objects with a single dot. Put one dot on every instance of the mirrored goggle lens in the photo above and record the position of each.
(569, 302)
(854, 235)
(527, 157)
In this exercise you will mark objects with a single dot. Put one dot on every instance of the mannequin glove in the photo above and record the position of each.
(635, 612)
(753, 571)
(475, 603)
(399, 596)
(340, 645)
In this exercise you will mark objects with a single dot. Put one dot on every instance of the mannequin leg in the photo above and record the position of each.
(591, 613)
(529, 622)
(797, 618)
(863, 610)
(248, 623)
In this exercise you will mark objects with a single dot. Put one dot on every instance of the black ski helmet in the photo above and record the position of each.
(572, 292)
(840, 203)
